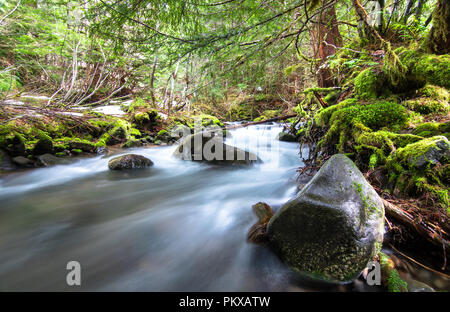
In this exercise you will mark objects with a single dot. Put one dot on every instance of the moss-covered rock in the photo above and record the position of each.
(132, 143)
(129, 161)
(242, 111)
(391, 280)
(370, 83)
(268, 114)
(424, 152)
(349, 121)
(425, 68)
(44, 144)
(333, 227)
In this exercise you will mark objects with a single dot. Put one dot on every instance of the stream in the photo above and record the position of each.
(178, 226)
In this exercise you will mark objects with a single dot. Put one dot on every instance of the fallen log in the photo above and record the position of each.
(426, 230)
(261, 121)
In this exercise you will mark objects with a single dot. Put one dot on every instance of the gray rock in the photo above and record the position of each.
(22, 161)
(48, 160)
(436, 151)
(287, 137)
(195, 147)
(102, 150)
(6, 162)
(129, 161)
(333, 227)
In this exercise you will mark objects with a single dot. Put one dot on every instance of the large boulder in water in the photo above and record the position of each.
(333, 227)
(209, 147)
(129, 161)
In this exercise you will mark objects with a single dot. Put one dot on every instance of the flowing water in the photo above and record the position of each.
(179, 226)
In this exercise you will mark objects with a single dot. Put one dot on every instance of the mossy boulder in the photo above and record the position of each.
(148, 118)
(129, 161)
(370, 83)
(242, 111)
(287, 137)
(44, 145)
(425, 68)
(428, 151)
(333, 227)
(22, 161)
(348, 121)
(132, 143)
(209, 147)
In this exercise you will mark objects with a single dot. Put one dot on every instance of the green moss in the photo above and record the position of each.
(162, 132)
(408, 155)
(435, 92)
(242, 111)
(396, 283)
(132, 143)
(207, 120)
(43, 145)
(147, 117)
(348, 123)
(76, 151)
(268, 114)
(322, 118)
(138, 103)
(427, 106)
(121, 131)
(425, 68)
(369, 84)
(427, 129)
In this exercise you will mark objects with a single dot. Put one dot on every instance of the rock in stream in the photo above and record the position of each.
(333, 227)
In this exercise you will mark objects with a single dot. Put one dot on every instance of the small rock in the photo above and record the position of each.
(102, 150)
(48, 160)
(287, 137)
(132, 143)
(129, 161)
(258, 232)
(22, 161)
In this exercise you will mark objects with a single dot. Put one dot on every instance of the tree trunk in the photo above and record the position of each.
(439, 37)
(325, 38)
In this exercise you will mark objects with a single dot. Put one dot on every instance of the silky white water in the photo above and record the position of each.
(178, 226)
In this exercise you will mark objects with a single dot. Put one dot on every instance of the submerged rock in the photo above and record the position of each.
(129, 161)
(48, 160)
(208, 147)
(333, 227)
